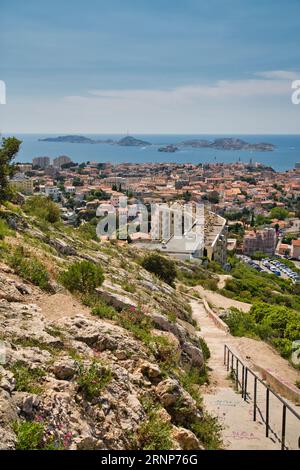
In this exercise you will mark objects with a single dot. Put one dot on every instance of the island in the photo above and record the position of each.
(225, 143)
(130, 141)
(168, 148)
(76, 139)
(228, 144)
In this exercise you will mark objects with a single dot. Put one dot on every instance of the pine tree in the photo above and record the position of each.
(8, 151)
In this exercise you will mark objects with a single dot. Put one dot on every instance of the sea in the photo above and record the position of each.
(284, 157)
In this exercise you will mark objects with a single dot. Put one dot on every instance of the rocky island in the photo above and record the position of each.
(228, 143)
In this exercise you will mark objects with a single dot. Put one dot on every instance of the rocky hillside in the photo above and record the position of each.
(117, 368)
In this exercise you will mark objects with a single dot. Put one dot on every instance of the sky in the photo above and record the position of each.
(159, 66)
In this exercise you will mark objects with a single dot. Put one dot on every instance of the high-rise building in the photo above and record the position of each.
(61, 160)
(261, 240)
(42, 162)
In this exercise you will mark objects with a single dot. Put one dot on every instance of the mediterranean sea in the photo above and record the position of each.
(284, 157)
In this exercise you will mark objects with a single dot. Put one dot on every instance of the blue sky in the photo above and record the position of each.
(151, 66)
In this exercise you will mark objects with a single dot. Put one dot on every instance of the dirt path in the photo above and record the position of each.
(219, 301)
(220, 399)
(60, 305)
(222, 280)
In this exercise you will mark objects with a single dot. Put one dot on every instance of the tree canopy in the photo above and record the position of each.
(8, 150)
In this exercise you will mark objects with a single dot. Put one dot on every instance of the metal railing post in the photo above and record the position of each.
(239, 365)
(237, 374)
(255, 398)
(227, 359)
(267, 411)
(245, 383)
(283, 427)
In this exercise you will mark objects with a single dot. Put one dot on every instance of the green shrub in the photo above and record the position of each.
(210, 284)
(241, 323)
(276, 324)
(129, 287)
(191, 380)
(163, 268)
(29, 435)
(103, 310)
(205, 348)
(82, 277)
(29, 267)
(43, 208)
(4, 229)
(87, 231)
(27, 380)
(155, 432)
(284, 346)
(92, 380)
(208, 431)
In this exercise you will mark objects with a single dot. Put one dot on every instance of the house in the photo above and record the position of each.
(295, 253)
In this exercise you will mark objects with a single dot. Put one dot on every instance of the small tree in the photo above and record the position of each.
(163, 268)
(8, 151)
(83, 277)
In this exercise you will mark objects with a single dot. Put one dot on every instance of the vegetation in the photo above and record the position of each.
(43, 208)
(4, 229)
(29, 267)
(155, 432)
(208, 431)
(92, 380)
(82, 277)
(27, 380)
(278, 325)
(163, 268)
(8, 151)
(248, 285)
(29, 435)
(205, 348)
(279, 213)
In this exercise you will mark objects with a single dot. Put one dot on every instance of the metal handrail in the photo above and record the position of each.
(229, 356)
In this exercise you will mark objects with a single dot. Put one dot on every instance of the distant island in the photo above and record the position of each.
(76, 139)
(228, 143)
(129, 141)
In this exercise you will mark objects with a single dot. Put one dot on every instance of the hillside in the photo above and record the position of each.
(117, 367)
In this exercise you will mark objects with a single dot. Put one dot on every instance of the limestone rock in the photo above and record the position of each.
(194, 354)
(186, 439)
(179, 404)
(64, 369)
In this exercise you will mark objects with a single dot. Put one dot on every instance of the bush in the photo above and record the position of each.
(27, 380)
(29, 267)
(83, 277)
(163, 268)
(29, 435)
(241, 323)
(155, 432)
(208, 431)
(205, 348)
(92, 380)
(276, 324)
(43, 208)
(4, 229)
